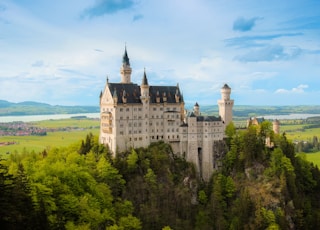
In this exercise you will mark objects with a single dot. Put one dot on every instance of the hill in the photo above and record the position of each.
(36, 108)
(83, 187)
(240, 111)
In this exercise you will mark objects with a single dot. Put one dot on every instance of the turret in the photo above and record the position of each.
(177, 94)
(276, 126)
(225, 104)
(115, 97)
(144, 87)
(196, 109)
(124, 97)
(125, 69)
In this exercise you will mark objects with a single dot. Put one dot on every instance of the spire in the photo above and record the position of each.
(225, 86)
(125, 59)
(144, 79)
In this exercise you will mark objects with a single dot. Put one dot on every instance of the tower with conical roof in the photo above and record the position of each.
(125, 69)
(225, 104)
(144, 88)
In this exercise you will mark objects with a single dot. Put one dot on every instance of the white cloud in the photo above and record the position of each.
(299, 89)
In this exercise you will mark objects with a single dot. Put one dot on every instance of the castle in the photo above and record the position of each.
(133, 115)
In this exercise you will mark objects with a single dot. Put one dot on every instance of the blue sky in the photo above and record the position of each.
(60, 52)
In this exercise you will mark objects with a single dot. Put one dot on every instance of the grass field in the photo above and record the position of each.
(73, 123)
(297, 132)
(52, 139)
(85, 126)
(314, 157)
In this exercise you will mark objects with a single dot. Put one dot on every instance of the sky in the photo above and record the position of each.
(61, 52)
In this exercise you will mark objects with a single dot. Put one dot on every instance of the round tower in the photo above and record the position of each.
(225, 104)
(125, 69)
(276, 126)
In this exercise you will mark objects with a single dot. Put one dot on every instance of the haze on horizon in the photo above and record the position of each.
(60, 52)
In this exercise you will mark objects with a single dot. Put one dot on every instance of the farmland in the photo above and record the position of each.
(60, 133)
(64, 132)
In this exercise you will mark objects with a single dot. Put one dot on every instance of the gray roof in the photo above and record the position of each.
(208, 118)
(133, 94)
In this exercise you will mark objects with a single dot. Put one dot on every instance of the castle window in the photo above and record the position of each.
(140, 109)
(161, 109)
(128, 109)
(146, 115)
(120, 118)
(121, 109)
(154, 109)
(121, 132)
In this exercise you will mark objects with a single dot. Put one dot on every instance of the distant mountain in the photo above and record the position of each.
(239, 111)
(36, 108)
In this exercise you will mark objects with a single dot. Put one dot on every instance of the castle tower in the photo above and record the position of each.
(196, 109)
(125, 69)
(276, 126)
(144, 88)
(145, 99)
(225, 104)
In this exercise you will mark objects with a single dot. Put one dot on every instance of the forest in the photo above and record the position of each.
(259, 186)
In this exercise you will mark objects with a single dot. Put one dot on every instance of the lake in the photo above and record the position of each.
(30, 118)
(290, 116)
(97, 115)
